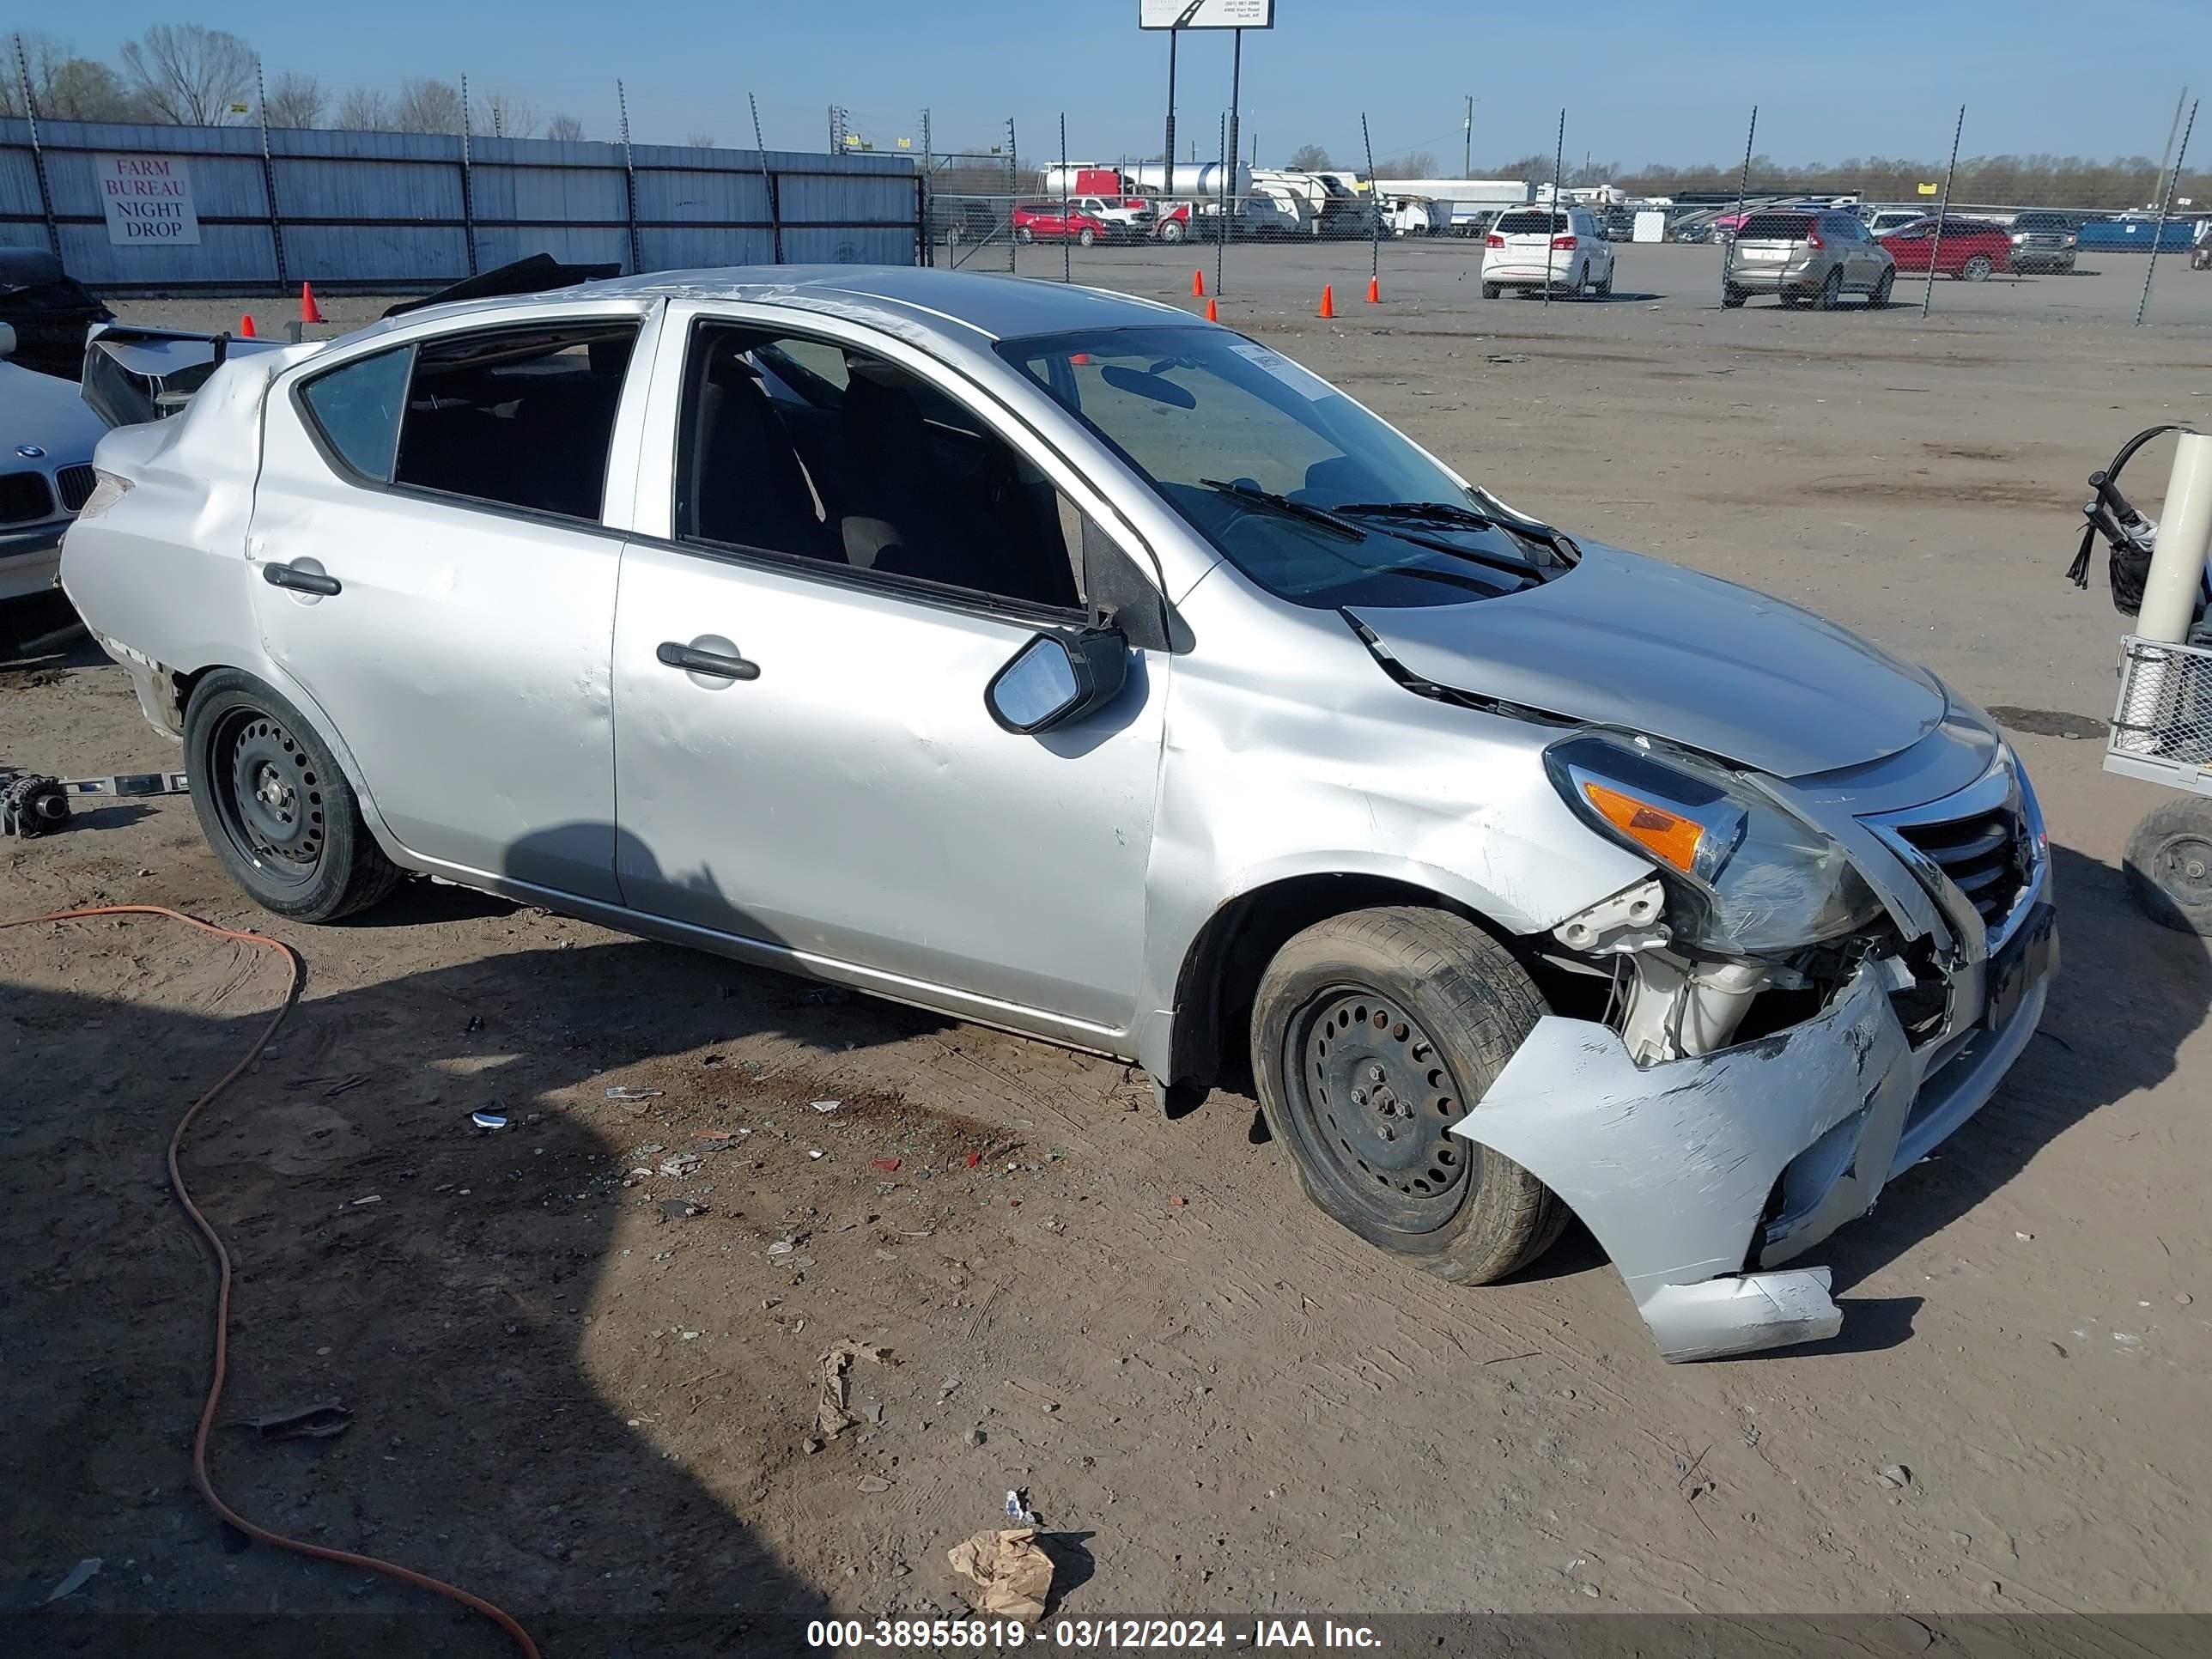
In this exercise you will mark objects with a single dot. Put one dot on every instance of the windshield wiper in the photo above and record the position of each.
(1343, 527)
(1431, 512)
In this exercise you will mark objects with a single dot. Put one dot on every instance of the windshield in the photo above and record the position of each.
(1306, 493)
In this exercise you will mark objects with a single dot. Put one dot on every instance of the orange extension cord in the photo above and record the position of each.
(297, 968)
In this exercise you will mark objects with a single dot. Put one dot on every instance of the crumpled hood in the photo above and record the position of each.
(1625, 640)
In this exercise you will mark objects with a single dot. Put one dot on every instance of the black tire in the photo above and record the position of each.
(1879, 300)
(1452, 1006)
(1605, 288)
(1023, 233)
(296, 844)
(1171, 231)
(2169, 866)
(1491, 290)
(1087, 236)
(1732, 296)
(1977, 269)
(1831, 290)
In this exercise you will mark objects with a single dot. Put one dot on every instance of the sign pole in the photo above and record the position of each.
(1167, 177)
(1943, 212)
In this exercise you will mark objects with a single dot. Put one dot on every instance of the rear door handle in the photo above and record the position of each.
(300, 582)
(714, 663)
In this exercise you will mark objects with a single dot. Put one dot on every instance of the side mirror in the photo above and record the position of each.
(7, 339)
(1056, 679)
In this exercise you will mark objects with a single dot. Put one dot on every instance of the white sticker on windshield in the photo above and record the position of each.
(1304, 382)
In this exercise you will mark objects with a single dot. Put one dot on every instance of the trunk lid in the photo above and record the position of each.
(1634, 643)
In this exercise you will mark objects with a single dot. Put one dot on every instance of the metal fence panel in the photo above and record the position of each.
(395, 210)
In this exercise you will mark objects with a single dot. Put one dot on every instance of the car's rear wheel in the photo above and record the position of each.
(276, 810)
(1880, 297)
(1491, 290)
(1605, 287)
(1831, 290)
(1088, 236)
(1732, 296)
(1023, 233)
(1372, 1034)
(1977, 269)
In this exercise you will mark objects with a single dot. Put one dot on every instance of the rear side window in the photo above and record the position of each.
(1530, 224)
(519, 418)
(1775, 228)
(356, 409)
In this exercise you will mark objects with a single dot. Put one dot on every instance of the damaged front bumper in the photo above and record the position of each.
(1701, 1176)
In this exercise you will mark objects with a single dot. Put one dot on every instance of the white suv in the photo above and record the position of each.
(1563, 248)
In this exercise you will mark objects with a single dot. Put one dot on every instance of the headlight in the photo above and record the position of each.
(1746, 878)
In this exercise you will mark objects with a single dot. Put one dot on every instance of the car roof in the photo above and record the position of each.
(953, 303)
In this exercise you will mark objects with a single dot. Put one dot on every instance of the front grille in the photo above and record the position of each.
(1983, 855)
(76, 485)
(25, 498)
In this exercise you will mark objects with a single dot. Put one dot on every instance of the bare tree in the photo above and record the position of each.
(564, 126)
(189, 75)
(506, 115)
(364, 109)
(700, 141)
(296, 100)
(428, 105)
(1414, 164)
(1308, 158)
(65, 87)
(1593, 172)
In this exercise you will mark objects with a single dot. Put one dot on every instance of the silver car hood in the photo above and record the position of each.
(1630, 641)
(42, 412)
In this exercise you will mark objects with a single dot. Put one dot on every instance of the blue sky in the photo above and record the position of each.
(1671, 81)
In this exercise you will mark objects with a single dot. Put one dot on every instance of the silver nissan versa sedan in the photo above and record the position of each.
(1058, 661)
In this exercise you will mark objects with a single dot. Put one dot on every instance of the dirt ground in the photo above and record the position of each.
(600, 1416)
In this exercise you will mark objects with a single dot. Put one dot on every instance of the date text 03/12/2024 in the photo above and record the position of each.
(898, 1635)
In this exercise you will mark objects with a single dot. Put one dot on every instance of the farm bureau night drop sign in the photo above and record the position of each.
(147, 200)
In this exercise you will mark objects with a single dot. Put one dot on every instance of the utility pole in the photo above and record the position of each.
(1467, 149)
(1167, 175)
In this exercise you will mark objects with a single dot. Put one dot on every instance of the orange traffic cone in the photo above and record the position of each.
(245, 327)
(1328, 301)
(1197, 284)
(1374, 290)
(309, 311)
(1213, 312)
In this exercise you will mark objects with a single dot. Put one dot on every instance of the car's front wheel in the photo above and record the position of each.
(276, 810)
(1372, 1034)
(1087, 236)
(1023, 233)
(1171, 231)
(1977, 269)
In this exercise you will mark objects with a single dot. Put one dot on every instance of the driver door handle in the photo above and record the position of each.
(300, 582)
(695, 661)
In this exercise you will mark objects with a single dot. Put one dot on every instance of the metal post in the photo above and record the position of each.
(1467, 148)
(1374, 206)
(1167, 178)
(929, 184)
(1743, 190)
(1067, 241)
(768, 180)
(2165, 208)
(629, 180)
(1228, 148)
(1943, 212)
(1014, 179)
(1559, 163)
(1221, 216)
(38, 152)
(269, 172)
(2167, 155)
(468, 182)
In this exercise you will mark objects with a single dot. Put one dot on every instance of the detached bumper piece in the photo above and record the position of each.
(1676, 1166)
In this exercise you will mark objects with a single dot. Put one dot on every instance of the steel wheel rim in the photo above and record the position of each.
(268, 796)
(2185, 869)
(1373, 1101)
